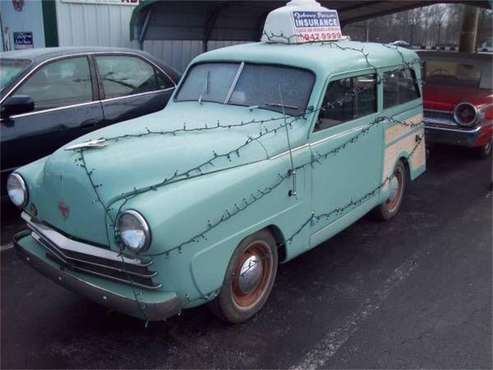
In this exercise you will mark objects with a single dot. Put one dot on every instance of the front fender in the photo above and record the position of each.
(196, 224)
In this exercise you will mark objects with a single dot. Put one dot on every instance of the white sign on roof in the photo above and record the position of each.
(302, 21)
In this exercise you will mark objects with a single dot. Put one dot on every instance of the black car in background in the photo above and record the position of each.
(51, 96)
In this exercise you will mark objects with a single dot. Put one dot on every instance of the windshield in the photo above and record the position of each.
(272, 87)
(452, 73)
(10, 69)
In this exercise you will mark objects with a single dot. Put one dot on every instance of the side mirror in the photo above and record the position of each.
(16, 104)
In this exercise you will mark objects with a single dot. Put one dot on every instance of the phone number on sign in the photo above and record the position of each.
(318, 36)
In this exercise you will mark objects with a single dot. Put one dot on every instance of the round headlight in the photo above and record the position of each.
(465, 114)
(17, 190)
(134, 231)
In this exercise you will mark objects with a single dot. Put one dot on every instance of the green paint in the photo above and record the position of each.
(50, 23)
(208, 209)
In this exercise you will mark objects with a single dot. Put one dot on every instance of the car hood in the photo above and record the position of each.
(144, 154)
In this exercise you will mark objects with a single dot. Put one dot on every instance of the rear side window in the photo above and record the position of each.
(58, 84)
(399, 87)
(124, 75)
(348, 99)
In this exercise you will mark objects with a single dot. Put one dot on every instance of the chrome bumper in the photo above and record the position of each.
(451, 135)
(91, 259)
(144, 309)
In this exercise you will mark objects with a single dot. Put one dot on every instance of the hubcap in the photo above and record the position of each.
(394, 187)
(396, 191)
(250, 274)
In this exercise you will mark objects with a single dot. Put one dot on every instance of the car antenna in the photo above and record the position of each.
(292, 171)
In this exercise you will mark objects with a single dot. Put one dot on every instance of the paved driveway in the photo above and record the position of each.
(411, 293)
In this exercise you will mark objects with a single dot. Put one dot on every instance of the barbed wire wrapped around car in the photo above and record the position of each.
(254, 197)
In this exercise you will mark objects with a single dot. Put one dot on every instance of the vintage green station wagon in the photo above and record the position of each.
(265, 151)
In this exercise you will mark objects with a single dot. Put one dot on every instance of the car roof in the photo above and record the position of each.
(41, 54)
(323, 58)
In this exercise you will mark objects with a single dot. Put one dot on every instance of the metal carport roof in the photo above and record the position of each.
(242, 20)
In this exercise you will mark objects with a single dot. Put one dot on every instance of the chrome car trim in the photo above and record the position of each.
(90, 102)
(153, 310)
(143, 222)
(339, 135)
(95, 143)
(23, 187)
(292, 151)
(66, 259)
(135, 95)
(438, 110)
(55, 109)
(463, 131)
(429, 116)
(476, 116)
(71, 245)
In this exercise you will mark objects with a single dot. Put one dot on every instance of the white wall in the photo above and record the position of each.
(179, 53)
(108, 25)
(30, 19)
(93, 24)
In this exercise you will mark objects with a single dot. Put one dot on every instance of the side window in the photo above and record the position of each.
(127, 75)
(348, 99)
(58, 84)
(399, 87)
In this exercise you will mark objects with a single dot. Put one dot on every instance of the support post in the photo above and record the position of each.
(145, 26)
(469, 33)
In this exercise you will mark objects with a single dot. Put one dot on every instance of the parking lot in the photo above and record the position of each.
(411, 293)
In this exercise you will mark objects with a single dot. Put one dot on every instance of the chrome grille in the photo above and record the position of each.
(89, 259)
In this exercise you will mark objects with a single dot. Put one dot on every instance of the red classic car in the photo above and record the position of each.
(458, 99)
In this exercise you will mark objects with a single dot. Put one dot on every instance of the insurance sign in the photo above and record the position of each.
(316, 25)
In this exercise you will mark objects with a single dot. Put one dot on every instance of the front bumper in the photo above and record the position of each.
(452, 135)
(150, 305)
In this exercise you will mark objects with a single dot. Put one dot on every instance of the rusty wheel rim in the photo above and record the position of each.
(394, 201)
(252, 274)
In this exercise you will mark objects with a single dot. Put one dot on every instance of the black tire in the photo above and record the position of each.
(234, 305)
(391, 206)
(484, 151)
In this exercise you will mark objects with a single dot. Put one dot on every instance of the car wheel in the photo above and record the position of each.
(249, 279)
(392, 205)
(485, 150)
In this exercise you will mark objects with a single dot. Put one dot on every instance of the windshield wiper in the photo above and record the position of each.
(252, 107)
(279, 105)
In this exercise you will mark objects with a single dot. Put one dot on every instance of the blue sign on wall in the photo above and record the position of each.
(23, 40)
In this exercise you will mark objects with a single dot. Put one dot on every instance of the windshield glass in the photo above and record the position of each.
(276, 88)
(10, 69)
(452, 73)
